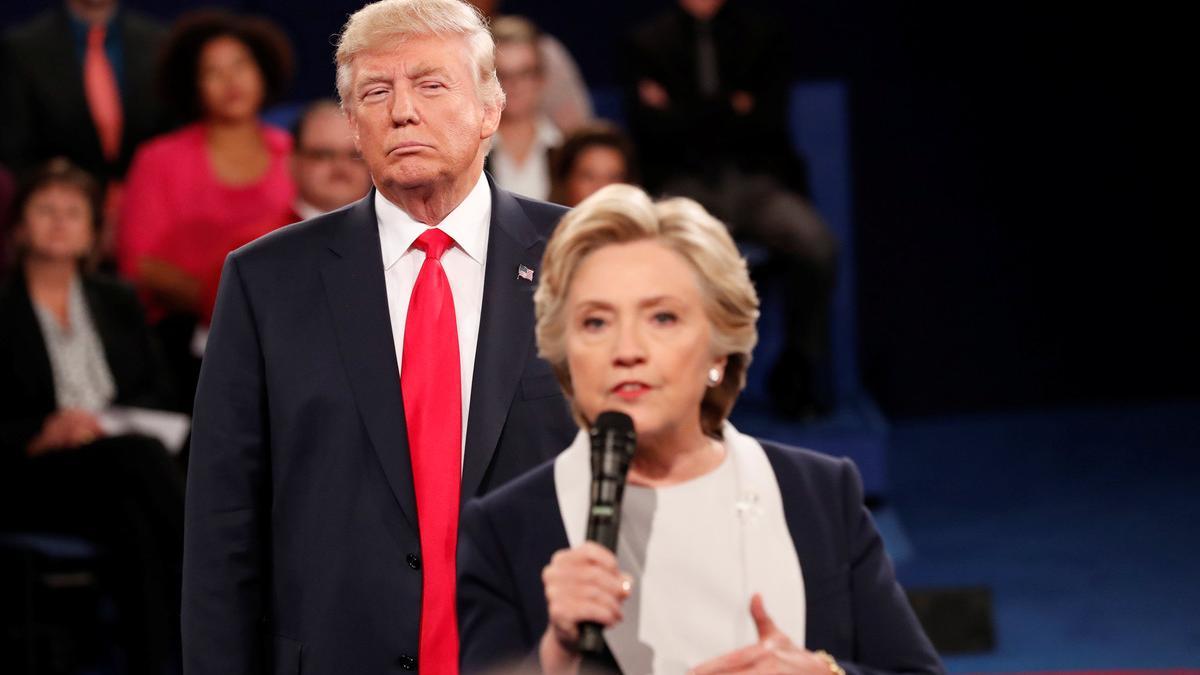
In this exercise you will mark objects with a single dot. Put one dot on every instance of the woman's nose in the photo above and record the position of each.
(628, 348)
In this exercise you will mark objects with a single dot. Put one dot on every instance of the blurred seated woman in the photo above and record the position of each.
(734, 554)
(71, 345)
(197, 193)
(594, 155)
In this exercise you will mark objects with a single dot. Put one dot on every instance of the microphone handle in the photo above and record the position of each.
(591, 638)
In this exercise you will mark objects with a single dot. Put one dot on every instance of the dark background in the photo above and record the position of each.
(1021, 240)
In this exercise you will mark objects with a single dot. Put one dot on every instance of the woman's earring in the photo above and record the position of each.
(714, 376)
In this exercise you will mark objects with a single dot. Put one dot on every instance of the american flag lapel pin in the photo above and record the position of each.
(525, 273)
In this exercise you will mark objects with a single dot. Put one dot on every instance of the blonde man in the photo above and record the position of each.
(368, 371)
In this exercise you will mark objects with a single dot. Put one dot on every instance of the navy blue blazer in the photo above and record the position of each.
(855, 609)
(301, 542)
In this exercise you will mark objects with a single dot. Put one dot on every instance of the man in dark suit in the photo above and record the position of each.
(707, 88)
(50, 111)
(368, 371)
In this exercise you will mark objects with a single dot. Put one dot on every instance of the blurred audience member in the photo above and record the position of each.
(708, 83)
(519, 160)
(565, 98)
(77, 81)
(7, 188)
(592, 156)
(327, 167)
(71, 345)
(197, 193)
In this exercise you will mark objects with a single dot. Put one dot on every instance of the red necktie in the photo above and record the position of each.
(429, 380)
(103, 97)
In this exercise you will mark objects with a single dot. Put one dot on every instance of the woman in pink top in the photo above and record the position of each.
(197, 193)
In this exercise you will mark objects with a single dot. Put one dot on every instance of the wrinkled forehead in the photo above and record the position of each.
(413, 55)
(634, 272)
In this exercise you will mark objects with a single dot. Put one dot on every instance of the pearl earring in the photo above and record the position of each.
(714, 376)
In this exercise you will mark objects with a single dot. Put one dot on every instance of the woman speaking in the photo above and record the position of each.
(734, 554)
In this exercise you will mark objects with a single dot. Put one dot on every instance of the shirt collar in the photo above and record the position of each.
(467, 224)
(305, 210)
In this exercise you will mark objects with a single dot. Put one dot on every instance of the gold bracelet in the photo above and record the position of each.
(833, 664)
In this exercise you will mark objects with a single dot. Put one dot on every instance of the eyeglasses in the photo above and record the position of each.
(522, 75)
(329, 154)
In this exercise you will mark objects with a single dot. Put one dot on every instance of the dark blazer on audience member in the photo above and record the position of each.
(301, 537)
(26, 381)
(45, 112)
(855, 609)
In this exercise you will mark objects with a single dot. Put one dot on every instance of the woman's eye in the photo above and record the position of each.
(665, 318)
(593, 323)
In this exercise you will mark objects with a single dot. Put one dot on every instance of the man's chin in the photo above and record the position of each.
(414, 178)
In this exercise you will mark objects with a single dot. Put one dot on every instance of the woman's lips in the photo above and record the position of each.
(630, 390)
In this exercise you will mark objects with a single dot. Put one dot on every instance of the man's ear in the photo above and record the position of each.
(491, 120)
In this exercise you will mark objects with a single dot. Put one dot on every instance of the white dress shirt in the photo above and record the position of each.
(468, 225)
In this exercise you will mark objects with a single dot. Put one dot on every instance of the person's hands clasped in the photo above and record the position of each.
(68, 428)
(582, 584)
(774, 653)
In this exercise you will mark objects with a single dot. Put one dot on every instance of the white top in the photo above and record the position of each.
(78, 364)
(698, 552)
(681, 544)
(468, 224)
(532, 177)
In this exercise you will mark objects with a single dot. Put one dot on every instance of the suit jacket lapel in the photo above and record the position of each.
(357, 296)
(505, 332)
(62, 58)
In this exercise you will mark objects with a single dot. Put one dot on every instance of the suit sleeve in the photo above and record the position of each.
(887, 636)
(492, 631)
(225, 548)
(152, 387)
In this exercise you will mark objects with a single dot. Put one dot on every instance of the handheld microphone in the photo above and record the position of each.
(613, 442)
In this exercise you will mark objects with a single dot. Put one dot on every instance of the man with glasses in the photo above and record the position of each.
(327, 168)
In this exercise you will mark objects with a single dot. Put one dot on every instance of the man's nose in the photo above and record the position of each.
(404, 110)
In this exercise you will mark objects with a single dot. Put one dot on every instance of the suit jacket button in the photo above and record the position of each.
(407, 662)
(413, 561)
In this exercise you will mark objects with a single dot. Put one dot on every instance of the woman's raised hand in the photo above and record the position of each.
(773, 653)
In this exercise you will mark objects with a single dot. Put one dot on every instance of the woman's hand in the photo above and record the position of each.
(582, 584)
(68, 428)
(773, 653)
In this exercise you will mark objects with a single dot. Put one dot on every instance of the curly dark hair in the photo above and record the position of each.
(180, 58)
(596, 133)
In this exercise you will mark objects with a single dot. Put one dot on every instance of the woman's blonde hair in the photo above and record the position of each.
(619, 214)
(386, 22)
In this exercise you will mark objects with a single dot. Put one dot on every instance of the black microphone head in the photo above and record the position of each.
(611, 420)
